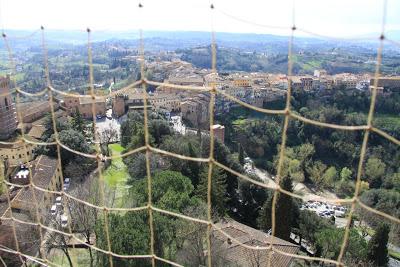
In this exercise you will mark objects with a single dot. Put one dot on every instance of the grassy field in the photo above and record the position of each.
(115, 177)
(116, 173)
(385, 120)
(79, 257)
(394, 254)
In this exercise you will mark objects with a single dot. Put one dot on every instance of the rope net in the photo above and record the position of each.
(102, 208)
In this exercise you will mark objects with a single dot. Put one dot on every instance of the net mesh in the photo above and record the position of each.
(287, 113)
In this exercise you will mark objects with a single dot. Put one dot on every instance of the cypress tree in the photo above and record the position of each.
(78, 123)
(193, 166)
(284, 212)
(377, 247)
(241, 154)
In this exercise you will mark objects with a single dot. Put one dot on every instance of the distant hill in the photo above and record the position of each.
(171, 40)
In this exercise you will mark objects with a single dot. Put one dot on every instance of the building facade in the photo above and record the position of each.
(16, 154)
(8, 115)
(84, 106)
(219, 132)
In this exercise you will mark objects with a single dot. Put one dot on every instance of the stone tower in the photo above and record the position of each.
(8, 116)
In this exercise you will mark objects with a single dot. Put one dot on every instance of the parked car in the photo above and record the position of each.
(66, 184)
(64, 221)
(53, 210)
(58, 201)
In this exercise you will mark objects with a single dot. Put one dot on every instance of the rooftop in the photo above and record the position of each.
(42, 170)
(242, 256)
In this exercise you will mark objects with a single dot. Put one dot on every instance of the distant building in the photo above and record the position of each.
(326, 83)
(34, 110)
(184, 81)
(219, 132)
(320, 73)
(306, 83)
(296, 83)
(118, 106)
(84, 105)
(169, 102)
(8, 115)
(196, 110)
(242, 82)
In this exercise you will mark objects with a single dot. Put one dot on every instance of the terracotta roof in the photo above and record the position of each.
(244, 257)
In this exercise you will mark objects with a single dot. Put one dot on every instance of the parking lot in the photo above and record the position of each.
(327, 211)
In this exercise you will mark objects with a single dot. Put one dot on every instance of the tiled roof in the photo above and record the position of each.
(244, 257)
(43, 169)
(36, 131)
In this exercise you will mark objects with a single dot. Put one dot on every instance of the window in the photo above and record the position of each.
(6, 103)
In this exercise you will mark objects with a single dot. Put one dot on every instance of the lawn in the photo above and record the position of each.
(79, 257)
(115, 177)
(386, 120)
(394, 254)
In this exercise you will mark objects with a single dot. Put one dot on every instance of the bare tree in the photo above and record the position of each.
(106, 136)
(55, 239)
(83, 216)
(193, 241)
(83, 222)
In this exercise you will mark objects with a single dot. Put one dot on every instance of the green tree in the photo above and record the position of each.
(250, 202)
(241, 154)
(316, 172)
(130, 126)
(295, 171)
(284, 212)
(310, 224)
(304, 154)
(218, 189)
(61, 124)
(73, 140)
(129, 233)
(329, 242)
(374, 171)
(194, 166)
(330, 176)
(78, 123)
(345, 174)
(125, 239)
(377, 246)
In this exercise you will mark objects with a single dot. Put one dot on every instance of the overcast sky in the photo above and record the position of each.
(328, 17)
